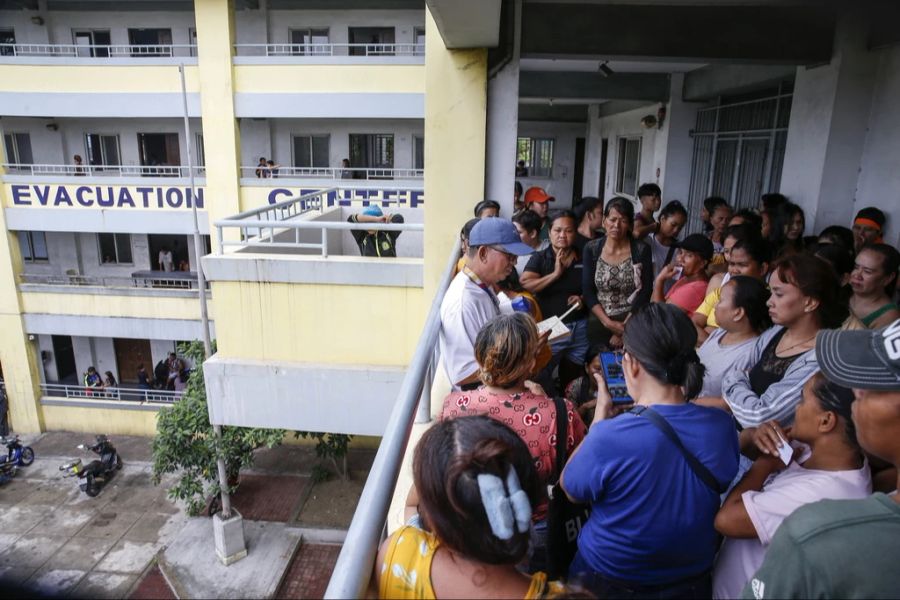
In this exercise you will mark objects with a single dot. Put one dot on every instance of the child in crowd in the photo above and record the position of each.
(650, 197)
(663, 242)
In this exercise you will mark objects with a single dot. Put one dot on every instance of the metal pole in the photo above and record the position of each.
(201, 283)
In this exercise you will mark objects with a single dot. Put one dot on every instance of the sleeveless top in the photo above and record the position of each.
(406, 570)
(873, 316)
(770, 368)
(615, 286)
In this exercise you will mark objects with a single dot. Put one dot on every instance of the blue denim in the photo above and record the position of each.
(575, 347)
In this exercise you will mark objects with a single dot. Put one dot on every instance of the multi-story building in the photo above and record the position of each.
(597, 97)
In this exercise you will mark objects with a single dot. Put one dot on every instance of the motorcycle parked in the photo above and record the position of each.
(95, 474)
(18, 454)
(7, 470)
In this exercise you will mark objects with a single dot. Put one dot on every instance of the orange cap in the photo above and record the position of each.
(537, 194)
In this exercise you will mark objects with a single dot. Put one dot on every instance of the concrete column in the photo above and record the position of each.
(590, 185)
(221, 137)
(828, 128)
(455, 121)
(502, 127)
(675, 170)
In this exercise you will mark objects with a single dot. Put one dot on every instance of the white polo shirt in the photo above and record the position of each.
(464, 311)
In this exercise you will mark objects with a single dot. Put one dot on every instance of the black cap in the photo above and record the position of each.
(861, 359)
(699, 244)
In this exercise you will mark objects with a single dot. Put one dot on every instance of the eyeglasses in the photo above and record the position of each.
(509, 256)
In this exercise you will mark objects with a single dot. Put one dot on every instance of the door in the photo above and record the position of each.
(64, 353)
(604, 151)
(374, 39)
(150, 42)
(131, 354)
(577, 184)
(159, 149)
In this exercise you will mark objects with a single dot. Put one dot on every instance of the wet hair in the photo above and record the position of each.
(750, 217)
(873, 214)
(504, 348)
(562, 213)
(837, 399)
(816, 279)
(649, 189)
(714, 202)
(484, 205)
(771, 202)
(446, 465)
(673, 207)
(662, 338)
(837, 234)
(751, 294)
(838, 258)
(890, 262)
(756, 248)
(587, 204)
(528, 219)
(624, 207)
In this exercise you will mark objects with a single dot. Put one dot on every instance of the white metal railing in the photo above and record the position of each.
(265, 227)
(99, 50)
(336, 173)
(317, 49)
(130, 395)
(176, 280)
(353, 569)
(102, 170)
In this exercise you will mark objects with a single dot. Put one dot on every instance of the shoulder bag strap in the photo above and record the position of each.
(670, 254)
(562, 434)
(696, 466)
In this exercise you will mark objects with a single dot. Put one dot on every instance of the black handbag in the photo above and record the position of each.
(564, 517)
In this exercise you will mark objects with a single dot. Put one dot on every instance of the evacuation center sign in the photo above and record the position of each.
(104, 196)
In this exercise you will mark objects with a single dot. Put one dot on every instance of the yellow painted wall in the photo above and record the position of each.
(99, 420)
(139, 307)
(331, 79)
(97, 79)
(341, 324)
(455, 134)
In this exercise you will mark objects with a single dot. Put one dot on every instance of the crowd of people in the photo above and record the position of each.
(755, 454)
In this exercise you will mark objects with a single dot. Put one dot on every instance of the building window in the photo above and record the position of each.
(18, 148)
(192, 36)
(8, 41)
(310, 42)
(537, 154)
(629, 166)
(371, 41)
(419, 40)
(33, 245)
(199, 151)
(102, 149)
(310, 151)
(115, 248)
(372, 151)
(91, 42)
(418, 152)
(150, 42)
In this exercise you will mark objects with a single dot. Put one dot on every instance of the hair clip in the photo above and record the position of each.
(504, 510)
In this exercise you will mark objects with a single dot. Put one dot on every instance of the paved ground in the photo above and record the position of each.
(309, 572)
(58, 541)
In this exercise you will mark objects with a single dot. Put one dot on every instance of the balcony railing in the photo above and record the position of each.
(175, 280)
(121, 394)
(335, 173)
(266, 227)
(314, 49)
(104, 170)
(353, 570)
(99, 50)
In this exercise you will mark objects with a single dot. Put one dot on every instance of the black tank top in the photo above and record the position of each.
(770, 369)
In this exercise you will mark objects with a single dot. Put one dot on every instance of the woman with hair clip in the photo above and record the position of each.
(654, 474)
(826, 462)
(505, 352)
(476, 484)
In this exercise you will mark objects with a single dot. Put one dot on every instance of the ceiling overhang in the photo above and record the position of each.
(467, 23)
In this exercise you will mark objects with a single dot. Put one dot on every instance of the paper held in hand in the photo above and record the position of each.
(555, 325)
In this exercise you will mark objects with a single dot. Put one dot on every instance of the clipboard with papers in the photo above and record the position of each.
(558, 329)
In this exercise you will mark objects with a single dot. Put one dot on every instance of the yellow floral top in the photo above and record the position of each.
(406, 570)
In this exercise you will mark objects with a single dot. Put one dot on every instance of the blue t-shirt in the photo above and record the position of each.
(652, 517)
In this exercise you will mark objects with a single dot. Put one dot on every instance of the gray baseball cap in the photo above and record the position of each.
(862, 359)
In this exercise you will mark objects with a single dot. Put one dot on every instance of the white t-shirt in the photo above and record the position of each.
(782, 494)
(718, 359)
(464, 311)
(165, 258)
(659, 253)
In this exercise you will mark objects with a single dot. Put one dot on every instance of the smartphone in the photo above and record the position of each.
(615, 377)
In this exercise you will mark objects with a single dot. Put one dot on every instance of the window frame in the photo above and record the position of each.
(15, 146)
(621, 155)
(28, 236)
(105, 161)
(303, 49)
(115, 262)
(199, 151)
(310, 137)
(12, 33)
(418, 139)
(542, 171)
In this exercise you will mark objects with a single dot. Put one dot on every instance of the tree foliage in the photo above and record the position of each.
(185, 443)
(331, 446)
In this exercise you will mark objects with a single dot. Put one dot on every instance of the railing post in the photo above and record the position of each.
(324, 243)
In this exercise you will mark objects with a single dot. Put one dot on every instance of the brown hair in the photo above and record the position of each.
(446, 465)
(504, 349)
(815, 279)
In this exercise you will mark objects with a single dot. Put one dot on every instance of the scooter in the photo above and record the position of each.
(95, 474)
(18, 454)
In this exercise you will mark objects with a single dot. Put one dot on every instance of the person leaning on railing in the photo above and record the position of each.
(382, 244)
(469, 523)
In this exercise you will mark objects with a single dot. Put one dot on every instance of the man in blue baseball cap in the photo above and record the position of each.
(471, 301)
(382, 244)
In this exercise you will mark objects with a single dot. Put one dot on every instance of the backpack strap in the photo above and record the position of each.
(696, 466)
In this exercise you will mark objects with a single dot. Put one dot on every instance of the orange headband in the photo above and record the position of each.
(867, 223)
